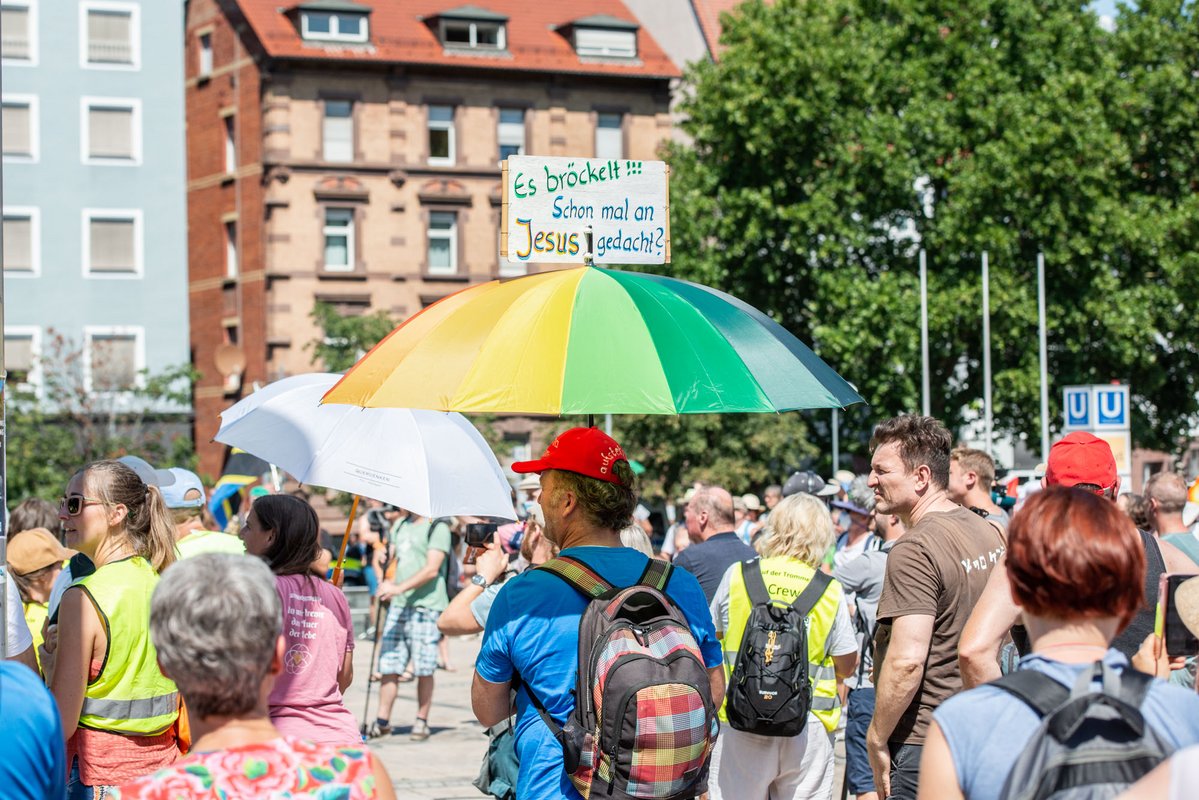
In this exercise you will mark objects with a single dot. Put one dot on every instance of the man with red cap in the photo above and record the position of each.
(1083, 461)
(531, 641)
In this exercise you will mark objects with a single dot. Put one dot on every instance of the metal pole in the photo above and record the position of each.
(836, 439)
(987, 352)
(1044, 359)
(925, 400)
(608, 424)
(3, 457)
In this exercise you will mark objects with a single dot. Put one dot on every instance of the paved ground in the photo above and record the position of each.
(443, 766)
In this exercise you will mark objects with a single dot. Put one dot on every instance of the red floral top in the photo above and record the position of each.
(280, 768)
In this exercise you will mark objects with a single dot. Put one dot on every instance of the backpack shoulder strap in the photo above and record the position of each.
(580, 577)
(1134, 686)
(1039, 691)
(656, 575)
(812, 593)
(755, 586)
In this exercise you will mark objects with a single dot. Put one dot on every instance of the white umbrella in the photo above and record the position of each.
(429, 462)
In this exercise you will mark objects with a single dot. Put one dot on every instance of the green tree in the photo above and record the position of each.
(834, 139)
(345, 339)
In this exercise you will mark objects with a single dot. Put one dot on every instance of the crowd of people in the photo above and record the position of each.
(154, 656)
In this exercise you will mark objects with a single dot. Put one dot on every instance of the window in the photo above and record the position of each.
(441, 135)
(22, 351)
(112, 244)
(17, 25)
(334, 26)
(443, 243)
(511, 133)
(231, 262)
(19, 127)
(480, 35)
(230, 144)
(338, 131)
(606, 42)
(21, 242)
(114, 359)
(110, 34)
(204, 68)
(339, 239)
(112, 131)
(609, 136)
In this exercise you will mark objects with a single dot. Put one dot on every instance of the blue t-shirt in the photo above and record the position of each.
(533, 630)
(32, 754)
(983, 761)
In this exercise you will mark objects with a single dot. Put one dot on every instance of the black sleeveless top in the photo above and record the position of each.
(1130, 639)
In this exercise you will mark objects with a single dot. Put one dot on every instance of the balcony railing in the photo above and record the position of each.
(109, 52)
(14, 47)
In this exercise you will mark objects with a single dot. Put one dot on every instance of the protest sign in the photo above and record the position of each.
(550, 203)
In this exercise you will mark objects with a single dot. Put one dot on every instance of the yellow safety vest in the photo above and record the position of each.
(131, 696)
(35, 618)
(785, 578)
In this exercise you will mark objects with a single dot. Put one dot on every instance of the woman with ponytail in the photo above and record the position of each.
(118, 710)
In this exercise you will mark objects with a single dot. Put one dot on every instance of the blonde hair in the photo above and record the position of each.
(633, 536)
(148, 525)
(800, 527)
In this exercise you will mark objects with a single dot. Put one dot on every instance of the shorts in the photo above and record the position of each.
(858, 774)
(410, 634)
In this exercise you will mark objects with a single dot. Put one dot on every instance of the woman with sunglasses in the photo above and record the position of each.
(118, 710)
(306, 701)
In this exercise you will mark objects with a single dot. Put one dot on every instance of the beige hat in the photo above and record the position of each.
(752, 503)
(1186, 599)
(529, 483)
(35, 549)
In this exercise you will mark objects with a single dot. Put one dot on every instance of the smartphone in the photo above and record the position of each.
(1178, 638)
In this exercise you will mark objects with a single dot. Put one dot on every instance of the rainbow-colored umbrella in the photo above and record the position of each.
(592, 341)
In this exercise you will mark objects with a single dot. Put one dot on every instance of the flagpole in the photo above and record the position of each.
(987, 352)
(925, 402)
(1044, 358)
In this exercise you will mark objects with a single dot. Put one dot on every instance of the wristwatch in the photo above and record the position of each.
(479, 580)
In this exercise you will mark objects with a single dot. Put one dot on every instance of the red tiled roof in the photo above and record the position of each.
(399, 33)
(708, 12)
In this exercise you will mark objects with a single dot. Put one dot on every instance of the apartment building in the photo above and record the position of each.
(350, 152)
(94, 201)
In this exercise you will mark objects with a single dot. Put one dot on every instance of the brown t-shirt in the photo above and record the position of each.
(938, 569)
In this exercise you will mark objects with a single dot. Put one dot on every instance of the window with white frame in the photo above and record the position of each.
(606, 42)
(475, 34)
(17, 40)
(337, 142)
(204, 67)
(339, 239)
(110, 34)
(115, 358)
(231, 261)
(511, 132)
(112, 130)
(609, 136)
(22, 357)
(230, 143)
(112, 243)
(334, 26)
(21, 242)
(18, 127)
(441, 135)
(443, 243)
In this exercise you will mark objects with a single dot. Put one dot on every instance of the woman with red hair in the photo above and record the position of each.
(1076, 567)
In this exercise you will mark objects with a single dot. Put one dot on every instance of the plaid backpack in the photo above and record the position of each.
(644, 723)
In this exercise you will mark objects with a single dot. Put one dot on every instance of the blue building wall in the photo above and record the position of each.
(61, 185)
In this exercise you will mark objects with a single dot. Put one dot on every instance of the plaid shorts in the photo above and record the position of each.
(410, 633)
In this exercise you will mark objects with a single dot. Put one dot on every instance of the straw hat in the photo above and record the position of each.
(752, 503)
(1186, 599)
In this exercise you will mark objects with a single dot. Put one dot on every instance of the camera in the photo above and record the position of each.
(478, 534)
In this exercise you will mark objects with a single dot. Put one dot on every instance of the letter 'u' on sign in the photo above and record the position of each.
(1076, 408)
(1111, 407)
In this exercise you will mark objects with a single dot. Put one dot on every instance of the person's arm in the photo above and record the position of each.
(433, 561)
(716, 684)
(993, 616)
(459, 619)
(845, 665)
(383, 787)
(345, 675)
(491, 701)
(899, 680)
(938, 777)
(77, 631)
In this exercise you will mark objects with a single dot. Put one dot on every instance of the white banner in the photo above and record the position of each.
(549, 203)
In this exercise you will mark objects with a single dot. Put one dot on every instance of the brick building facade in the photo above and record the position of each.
(350, 153)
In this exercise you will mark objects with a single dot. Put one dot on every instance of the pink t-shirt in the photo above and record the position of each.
(306, 703)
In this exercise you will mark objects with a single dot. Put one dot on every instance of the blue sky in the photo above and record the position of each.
(1105, 7)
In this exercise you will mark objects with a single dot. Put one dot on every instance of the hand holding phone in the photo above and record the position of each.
(1178, 598)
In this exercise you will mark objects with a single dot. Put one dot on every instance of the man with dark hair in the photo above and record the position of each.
(715, 546)
(971, 476)
(531, 642)
(934, 576)
(34, 512)
(1083, 461)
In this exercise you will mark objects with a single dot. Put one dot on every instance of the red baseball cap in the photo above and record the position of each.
(587, 451)
(1081, 457)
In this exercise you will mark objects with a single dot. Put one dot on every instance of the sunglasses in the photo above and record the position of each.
(75, 503)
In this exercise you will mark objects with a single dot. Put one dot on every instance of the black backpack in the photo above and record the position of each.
(1091, 745)
(769, 691)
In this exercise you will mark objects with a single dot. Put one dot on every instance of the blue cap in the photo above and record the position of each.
(183, 481)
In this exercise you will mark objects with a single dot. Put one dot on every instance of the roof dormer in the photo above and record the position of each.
(332, 21)
(603, 36)
(470, 28)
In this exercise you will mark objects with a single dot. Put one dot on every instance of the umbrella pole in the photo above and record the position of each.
(591, 420)
(341, 557)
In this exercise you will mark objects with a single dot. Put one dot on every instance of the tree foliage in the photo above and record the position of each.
(344, 339)
(832, 140)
